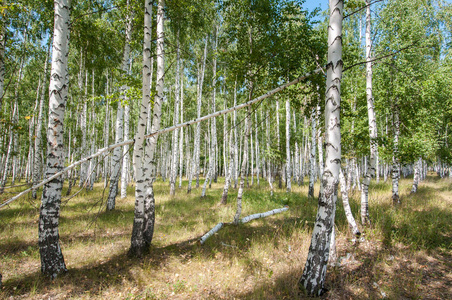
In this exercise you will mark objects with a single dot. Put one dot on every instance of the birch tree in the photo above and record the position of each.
(52, 261)
(143, 225)
(37, 142)
(288, 165)
(175, 141)
(372, 165)
(116, 158)
(313, 278)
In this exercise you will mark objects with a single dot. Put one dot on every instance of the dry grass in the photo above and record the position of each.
(406, 254)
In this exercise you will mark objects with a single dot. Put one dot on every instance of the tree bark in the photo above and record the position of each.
(2, 57)
(116, 158)
(288, 165)
(313, 278)
(371, 166)
(395, 155)
(175, 147)
(242, 172)
(197, 146)
(143, 225)
(52, 261)
(312, 154)
(416, 176)
(346, 204)
(181, 143)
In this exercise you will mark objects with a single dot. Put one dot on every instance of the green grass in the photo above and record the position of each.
(406, 251)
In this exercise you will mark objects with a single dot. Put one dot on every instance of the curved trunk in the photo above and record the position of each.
(348, 212)
(313, 278)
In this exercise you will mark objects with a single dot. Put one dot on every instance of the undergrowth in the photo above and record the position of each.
(409, 244)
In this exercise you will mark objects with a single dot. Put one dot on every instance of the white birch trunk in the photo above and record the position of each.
(395, 156)
(143, 225)
(313, 278)
(296, 154)
(242, 173)
(288, 165)
(125, 150)
(371, 166)
(52, 261)
(269, 167)
(227, 183)
(213, 130)
(197, 146)
(116, 159)
(2, 60)
(37, 163)
(257, 150)
(312, 154)
(320, 147)
(236, 154)
(348, 212)
(141, 165)
(107, 132)
(175, 147)
(181, 143)
(417, 171)
(83, 123)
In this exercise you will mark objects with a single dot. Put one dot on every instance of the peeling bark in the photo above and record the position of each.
(313, 278)
(52, 261)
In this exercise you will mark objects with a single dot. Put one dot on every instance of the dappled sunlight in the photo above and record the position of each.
(405, 253)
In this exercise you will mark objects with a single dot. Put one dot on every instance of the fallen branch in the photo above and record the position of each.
(243, 221)
(211, 232)
(168, 129)
(263, 215)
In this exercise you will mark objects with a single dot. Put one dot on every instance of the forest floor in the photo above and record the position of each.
(405, 254)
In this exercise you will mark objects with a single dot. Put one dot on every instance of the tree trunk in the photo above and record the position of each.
(395, 156)
(288, 165)
(52, 261)
(313, 278)
(242, 172)
(416, 176)
(116, 158)
(346, 204)
(175, 147)
(236, 147)
(181, 143)
(371, 166)
(312, 154)
(143, 224)
(2, 60)
(197, 146)
(37, 163)
(320, 147)
(227, 183)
